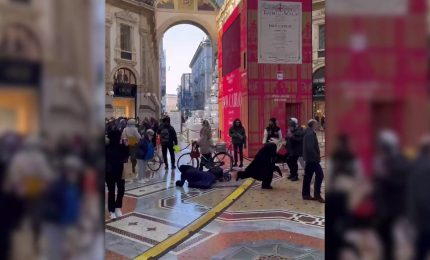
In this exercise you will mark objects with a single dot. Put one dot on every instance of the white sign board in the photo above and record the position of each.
(280, 76)
(279, 32)
(175, 121)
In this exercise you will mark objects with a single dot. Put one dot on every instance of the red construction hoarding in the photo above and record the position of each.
(265, 83)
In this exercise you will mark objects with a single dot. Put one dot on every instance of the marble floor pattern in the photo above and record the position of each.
(262, 224)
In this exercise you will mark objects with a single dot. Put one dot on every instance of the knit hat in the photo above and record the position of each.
(294, 120)
(131, 121)
(150, 132)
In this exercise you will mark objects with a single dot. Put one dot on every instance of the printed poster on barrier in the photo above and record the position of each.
(279, 32)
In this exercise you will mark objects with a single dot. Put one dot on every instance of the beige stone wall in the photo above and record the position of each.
(145, 60)
(318, 18)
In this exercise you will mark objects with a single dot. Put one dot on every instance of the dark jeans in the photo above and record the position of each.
(164, 149)
(238, 147)
(112, 180)
(132, 151)
(310, 169)
(206, 160)
(293, 165)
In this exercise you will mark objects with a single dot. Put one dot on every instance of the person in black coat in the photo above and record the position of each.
(116, 155)
(262, 167)
(312, 157)
(168, 139)
(195, 178)
(295, 147)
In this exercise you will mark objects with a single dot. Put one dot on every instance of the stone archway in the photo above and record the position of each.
(169, 13)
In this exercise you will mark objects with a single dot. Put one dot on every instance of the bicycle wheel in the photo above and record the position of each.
(223, 160)
(155, 163)
(186, 159)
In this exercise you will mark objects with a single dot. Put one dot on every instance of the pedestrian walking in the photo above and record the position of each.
(116, 154)
(168, 139)
(312, 157)
(238, 137)
(205, 143)
(144, 153)
(295, 147)
(130, 136)
(272, 131)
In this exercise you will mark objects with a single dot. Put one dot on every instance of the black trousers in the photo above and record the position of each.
(164, 149)
(115, 180)
(238, 148)
(422, 245)
(266, 181)
(293, 165)
(310, 169)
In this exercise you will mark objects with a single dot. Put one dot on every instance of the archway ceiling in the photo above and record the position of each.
(189, 5)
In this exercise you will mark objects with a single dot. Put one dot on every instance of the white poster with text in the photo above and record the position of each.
(279, 32)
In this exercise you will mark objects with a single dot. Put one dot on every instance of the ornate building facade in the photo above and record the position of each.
(132, 60)
(318, 58)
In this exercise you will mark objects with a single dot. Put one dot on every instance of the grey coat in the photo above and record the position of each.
(311, 149)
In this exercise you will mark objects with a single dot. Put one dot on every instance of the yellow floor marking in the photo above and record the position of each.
(171, 242)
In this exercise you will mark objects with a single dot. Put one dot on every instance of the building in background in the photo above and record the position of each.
(162, 78)
(318, 58)
(201, 76)
(185, 100)
(171, 103)
(132, 60)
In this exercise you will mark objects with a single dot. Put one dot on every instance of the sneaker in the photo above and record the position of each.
(241, 165)
(294, 178)
(118, 212)
(320, 200)
(166, 167)
(267, 187)
(174, 167)
(290, 177)
(142, 181)
(308, 198)
(112, 215)
(235, 165)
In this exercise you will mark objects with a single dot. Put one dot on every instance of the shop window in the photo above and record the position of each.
(124, 83)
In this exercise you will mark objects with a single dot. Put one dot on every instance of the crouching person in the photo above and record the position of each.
(195, 178)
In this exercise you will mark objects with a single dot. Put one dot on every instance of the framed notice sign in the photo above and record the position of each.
(279, 32)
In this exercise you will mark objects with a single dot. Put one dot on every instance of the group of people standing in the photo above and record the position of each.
(299, 143)
(127, 139)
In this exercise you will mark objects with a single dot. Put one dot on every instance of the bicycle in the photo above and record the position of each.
(220, 158)
(155, 163)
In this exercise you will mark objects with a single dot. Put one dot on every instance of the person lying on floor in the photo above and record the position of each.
(195, 178)
(262, 167)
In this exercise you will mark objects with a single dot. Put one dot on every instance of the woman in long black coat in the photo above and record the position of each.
(262, 167)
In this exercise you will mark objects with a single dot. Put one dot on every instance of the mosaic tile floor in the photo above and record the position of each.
(262, 224)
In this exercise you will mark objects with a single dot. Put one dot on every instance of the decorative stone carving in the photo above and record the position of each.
(127, 16)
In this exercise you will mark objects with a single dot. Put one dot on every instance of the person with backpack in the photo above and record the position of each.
(238, 137)
(168, 139)
(144, 153)
(130, 136)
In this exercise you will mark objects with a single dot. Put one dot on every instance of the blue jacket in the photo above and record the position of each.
(195, 178)
(142, 149)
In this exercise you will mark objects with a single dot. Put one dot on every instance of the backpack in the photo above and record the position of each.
(165, 136)
(150, 151)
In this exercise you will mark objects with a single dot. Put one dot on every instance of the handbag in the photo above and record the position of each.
(283, 151)
(195, 151)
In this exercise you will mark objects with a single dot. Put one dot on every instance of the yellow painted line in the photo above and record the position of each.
(171, 242)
